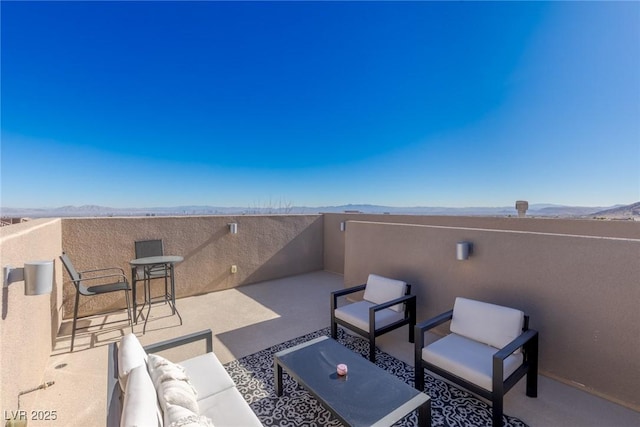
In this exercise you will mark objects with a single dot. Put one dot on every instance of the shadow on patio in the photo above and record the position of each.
(251, 318)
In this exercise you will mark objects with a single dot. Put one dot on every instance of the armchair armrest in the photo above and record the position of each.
(520, 341)
(404, 298)
(435, 321)
(102, 269)
(347, 291)
(421, 328)
(342, 292)
(499, 383)
(410, 312)
(103, 276)
(206, 335)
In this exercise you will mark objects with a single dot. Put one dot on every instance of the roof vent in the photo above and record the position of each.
(521, 207)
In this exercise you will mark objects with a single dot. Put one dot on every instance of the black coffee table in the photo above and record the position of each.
(366, 396)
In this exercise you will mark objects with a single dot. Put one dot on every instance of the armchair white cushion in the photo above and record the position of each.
(357, 314)
(381, 289)
(468, 359)
(490, 324)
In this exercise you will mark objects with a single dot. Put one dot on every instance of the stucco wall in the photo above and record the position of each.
(265, 247)
(29, 323)
(581, 292)
(577, 279)
(334, 239)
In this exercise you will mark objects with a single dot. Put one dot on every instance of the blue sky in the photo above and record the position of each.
(147, 104)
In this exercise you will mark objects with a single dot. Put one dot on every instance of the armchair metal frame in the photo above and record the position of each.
(408, 300)
(528, 340)
(97, 274)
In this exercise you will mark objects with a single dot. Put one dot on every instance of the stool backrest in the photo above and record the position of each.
(147, 248)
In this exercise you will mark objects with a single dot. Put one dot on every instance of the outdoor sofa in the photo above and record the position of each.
(144, 389)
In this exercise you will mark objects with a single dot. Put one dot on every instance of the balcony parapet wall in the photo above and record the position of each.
(578, 279)
(581, 291)
(264, 248)
(28, 324)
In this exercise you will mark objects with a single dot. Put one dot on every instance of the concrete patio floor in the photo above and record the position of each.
(248, 319)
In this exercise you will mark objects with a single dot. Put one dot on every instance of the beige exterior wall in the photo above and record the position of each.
(29, 324)
(577, 279)
(581, 292)
(334, 240)
(266, 247)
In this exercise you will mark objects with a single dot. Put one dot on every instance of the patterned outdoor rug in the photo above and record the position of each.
(253, 376)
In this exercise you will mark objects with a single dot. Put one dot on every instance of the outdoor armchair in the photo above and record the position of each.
(490, 348)
(96, 282)
(387, 304)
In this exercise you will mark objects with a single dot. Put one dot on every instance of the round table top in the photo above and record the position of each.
(163, 259)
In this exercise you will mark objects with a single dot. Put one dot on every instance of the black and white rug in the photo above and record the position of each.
(253, 376)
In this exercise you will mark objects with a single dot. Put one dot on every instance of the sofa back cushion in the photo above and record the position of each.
(140, 406)
(490, 324)
(381, 289)
(130, 355)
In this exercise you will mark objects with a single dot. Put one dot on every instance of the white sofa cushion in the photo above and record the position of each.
(172, 384)
(178, 416)
(207, 375)
(357, 314)
(490, 324)
(381, 289)
(130, 355)
(468, 359)
(229, 409)
(140, 407)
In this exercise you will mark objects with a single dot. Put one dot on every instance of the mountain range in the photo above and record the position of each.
(631, 211)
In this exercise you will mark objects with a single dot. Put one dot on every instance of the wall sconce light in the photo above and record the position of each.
(233, 227)
(37, 277)
(343, 226)
(463, 250)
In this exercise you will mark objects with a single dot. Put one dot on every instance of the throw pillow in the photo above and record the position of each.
(177, 416)
(172, 384)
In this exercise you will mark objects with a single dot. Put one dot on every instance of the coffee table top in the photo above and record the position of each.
(366, 396)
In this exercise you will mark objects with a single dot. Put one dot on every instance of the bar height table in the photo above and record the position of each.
(147, 264)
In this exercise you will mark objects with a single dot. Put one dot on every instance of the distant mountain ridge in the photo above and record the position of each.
(631, 211)
(626, 211)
